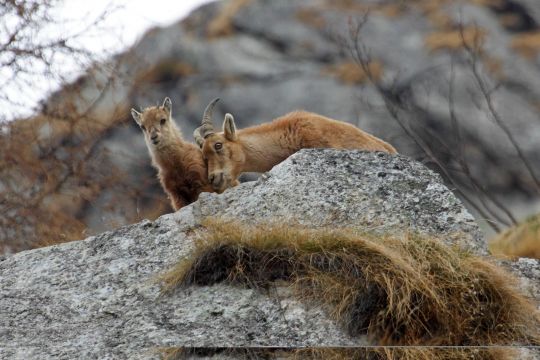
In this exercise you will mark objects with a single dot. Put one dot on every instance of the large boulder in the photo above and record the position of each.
(99, 298)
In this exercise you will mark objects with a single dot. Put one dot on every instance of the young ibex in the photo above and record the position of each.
(181, 168)
(259, 148)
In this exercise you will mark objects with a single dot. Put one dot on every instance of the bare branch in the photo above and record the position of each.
(473, 50)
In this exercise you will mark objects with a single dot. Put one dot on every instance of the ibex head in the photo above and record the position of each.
(155, 122)
(221, 151)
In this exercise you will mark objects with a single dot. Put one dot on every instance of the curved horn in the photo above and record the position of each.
(207, 128)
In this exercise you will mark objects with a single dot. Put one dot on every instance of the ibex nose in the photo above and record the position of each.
(153, 136)
(216, 179)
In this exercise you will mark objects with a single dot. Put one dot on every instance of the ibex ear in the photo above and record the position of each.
(167, 105)
(137, 116)
(229, 128)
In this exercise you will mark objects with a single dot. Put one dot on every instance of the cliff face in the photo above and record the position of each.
(264, 59)
(98, 298)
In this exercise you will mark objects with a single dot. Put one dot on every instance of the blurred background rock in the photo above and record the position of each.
(453, 84)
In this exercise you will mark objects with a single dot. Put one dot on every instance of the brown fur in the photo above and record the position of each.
(181, 168)
(259, 148)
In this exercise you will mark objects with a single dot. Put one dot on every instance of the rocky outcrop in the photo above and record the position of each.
(98, 298)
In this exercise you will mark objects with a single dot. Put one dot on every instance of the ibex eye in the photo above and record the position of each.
(163, 121)
(218, 146)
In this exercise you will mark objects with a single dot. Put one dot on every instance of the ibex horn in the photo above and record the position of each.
(206, 128)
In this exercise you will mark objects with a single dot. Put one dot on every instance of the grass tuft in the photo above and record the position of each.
(527, 44)
(411, 290)
(455, 39)
(369, 353)
(351, 73)
(522, 240)
(222, 24)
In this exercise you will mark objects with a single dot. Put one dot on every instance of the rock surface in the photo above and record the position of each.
(370, 191)
(98, 298)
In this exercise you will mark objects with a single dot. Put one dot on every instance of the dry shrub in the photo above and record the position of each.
(324, 353)
(400, 291)
(492, 3)
(389, 9)
(509, 20)
(221, 25)
(50, 168)
(312, 17)
(455, 39)
(165, 70)
(348, 5)
(527, 44)
(522, 240)
(351, 73)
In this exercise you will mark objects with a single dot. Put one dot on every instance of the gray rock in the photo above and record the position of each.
(370, 191)
(98, 298)
(528, 273)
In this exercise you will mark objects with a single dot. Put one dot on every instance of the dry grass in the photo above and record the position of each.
(527, 44)
(522, 240)
(493, 3)
(371, 353)
(311, 17)
(165, 70)
(351, 73)
(406, 291)
(221, 25)
(422, 353)
(455, 39)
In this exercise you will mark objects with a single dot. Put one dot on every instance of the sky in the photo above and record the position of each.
(126, 22)
(130, 18)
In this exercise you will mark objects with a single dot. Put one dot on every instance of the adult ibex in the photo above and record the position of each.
(259, 148)
(181, 168)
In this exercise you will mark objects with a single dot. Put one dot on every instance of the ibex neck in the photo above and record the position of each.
(169, 149)
(263, 151)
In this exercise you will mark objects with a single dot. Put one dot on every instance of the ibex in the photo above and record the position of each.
(181, 168)
(259, 148)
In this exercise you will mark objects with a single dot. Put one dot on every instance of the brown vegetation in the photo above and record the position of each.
(52, 166)
(312, 17)
(221, 25)
(455, 39)
(527, 44)
(324, 353)
(350, 73)
(400, 291)
(522, 240)
(46, 184)
(171, 69)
